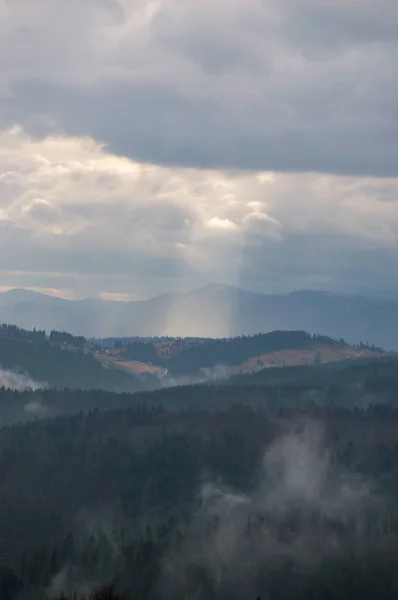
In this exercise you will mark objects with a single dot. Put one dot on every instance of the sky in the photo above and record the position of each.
(149, 146)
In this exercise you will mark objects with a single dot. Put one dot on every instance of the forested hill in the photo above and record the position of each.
(277, 348)
(60, 359)
(42, 361)
(237, 350)
(347, 385)
(214, 492)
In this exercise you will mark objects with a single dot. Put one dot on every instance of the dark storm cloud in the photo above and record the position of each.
(309, 86)
(161, 125)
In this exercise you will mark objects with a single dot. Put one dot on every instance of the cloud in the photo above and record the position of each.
(262, 85)
(77, 217)
(221, 224)
(259, 224)
(19, 381)
(299, 473)
(35, 408)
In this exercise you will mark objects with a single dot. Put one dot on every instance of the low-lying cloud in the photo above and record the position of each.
(19, 381)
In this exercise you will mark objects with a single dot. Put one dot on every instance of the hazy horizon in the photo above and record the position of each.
(386, 295)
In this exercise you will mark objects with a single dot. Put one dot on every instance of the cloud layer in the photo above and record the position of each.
(74, 216)
(263, 85)
(149, 145)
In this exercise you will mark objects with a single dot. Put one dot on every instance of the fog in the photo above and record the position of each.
(18, 381)
(217, 373)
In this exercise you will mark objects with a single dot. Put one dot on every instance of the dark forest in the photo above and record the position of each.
(282, 484)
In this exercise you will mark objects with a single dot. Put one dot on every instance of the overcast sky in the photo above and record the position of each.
(155, 145)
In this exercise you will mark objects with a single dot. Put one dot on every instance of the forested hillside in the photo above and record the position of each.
(347, 385)
(183, 357)
(236, 490)
(237, 350)
(49, 362)
(60, 359)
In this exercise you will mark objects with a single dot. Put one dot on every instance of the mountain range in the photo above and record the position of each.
(212, 311)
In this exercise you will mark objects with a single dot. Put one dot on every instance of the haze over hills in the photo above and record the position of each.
(213, 311)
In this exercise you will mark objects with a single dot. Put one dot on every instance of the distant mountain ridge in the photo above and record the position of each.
(212, 311)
